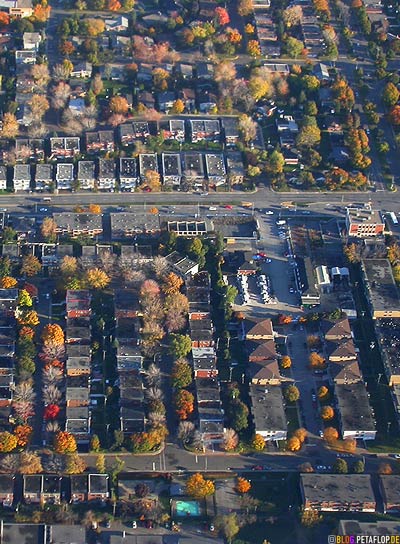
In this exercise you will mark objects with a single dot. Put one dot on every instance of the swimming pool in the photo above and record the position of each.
(187, 508)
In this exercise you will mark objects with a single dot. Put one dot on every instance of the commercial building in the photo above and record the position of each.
(380, 288)
(364, 222)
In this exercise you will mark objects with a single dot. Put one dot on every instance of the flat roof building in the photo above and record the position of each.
(337, 492)
(354, 411)
(380, 288)
(76, 224)
(268, 412)
(364, 222)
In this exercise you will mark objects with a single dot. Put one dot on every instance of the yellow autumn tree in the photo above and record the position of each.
(172, 284)
(97, 278)
(53, 334)
(8, 282)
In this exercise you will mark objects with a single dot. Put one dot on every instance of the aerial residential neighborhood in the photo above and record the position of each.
(199, 271)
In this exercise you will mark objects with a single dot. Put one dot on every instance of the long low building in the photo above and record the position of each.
(337, 492)
(354, 411)
(380, 288)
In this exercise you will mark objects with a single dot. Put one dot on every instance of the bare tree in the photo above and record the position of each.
(52, 351)
(52, 375)
(153, 375)
(108, 262)
(156, 419)
(175, 322)
(160, 266)
(37, 130)
(51, 394)
(53, 464)
(24, 392)
(59, 95)
(9, 464)
(154, 393)
(41, 75)
(61, 72)
(52, 427)
(185, 431)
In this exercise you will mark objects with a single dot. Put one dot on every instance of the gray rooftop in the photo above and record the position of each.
(354, 407)
(391, 488)
(382, 290)
(70, 221)
(339, 488)
(267, 408)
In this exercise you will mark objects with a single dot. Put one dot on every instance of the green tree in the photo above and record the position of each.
(340, 467)
(24, 299)
(197, 251)
(181, 375)
(101, 463)
(95, 443)
(390, 95)
(5, 266)
(358, 467)
(228, 525)
(309, 136)
(292, 394)
(275, 162)
(294, 47)
(9, 235)
(239, 415)
(180, 345)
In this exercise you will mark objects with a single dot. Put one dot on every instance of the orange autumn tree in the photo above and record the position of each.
(184, 404)
(172, 284)
(27, 317)
(242, 485)
(23, 434)
(198, 487)
(64, 442)
(113, 5)
(27, 332)
(41, 12)
(4, 19)
(8, 282)
(52, 334)
(94, 208)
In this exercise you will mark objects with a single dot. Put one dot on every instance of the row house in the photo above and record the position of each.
(89, 487)
(22, 177)
(64, 147)
(203, 129)
(131, 132)
(171, 169)
(174, 129)
(147, 162)
(65, 176)
(128, 174)
(29, 149)
(42, 489)
(100, 140)
(78, 224)
(78, 303)
(7, 483)
(208, 397)
(43, 177)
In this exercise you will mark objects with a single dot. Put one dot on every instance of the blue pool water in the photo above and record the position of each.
(187, 508)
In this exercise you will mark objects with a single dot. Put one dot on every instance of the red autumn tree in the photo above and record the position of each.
(184, 404)
(114, 5)
(64, 442)
(31, 289)
(222, 16)
(4, 19)
(51, 412)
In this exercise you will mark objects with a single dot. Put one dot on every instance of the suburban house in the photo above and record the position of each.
(193, 168)
(166, 101)
(235, 167)
(20, 8)
(126, 303)
(337, 492)
(77, 422)
(78, 330)
(128, 174)
(64, 176)
(215, 168)
(43, 177)
(230, 129)
(147, 162)
(182, 265)
(31, 41)
(119, 24)
(82, 70)
(78, 303)
(106, 179)
(171, 168)
(174, 129)
(79, 488)
(202, 129)
(22, 177)
(337, 330)
(3, 178)
(86, 177)
(259, 330)
(6, 489)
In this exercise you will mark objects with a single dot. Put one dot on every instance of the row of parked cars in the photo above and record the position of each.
(243, 288)
(264, 285)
